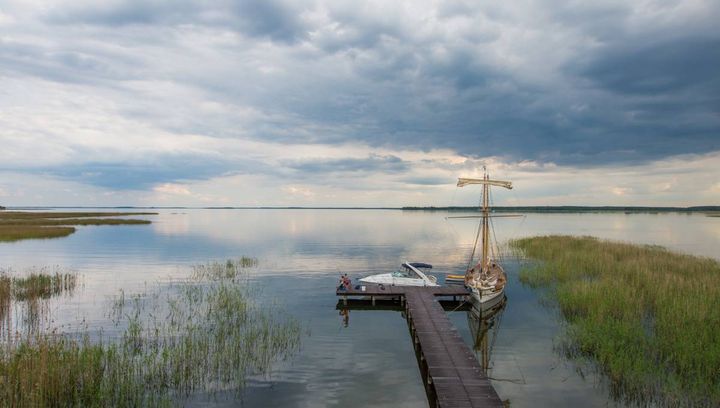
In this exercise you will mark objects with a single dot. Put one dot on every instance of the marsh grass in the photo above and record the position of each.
(71, 221)
(206, 334)
(5, 302)
(43, 285)
(31, 293)
(50, 215)
(649, 317)
(9, 233)
(18, 225)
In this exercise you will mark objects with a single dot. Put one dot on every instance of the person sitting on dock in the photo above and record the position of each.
(344, 282)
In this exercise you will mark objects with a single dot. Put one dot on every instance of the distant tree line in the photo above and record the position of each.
(572, 208)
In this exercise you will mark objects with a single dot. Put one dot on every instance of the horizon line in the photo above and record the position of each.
(412, 208)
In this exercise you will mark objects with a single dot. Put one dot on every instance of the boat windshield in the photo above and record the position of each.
(405, 273)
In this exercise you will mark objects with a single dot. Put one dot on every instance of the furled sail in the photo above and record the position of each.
(462, 182)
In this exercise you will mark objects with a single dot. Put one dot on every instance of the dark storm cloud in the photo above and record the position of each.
(262, 18)
(62, 65)
(581, 84)
(428, 181)
(662, 68)
(145, 174)
(272, 19)
(374, 163)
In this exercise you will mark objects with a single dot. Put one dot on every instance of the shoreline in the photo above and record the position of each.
(524, 209)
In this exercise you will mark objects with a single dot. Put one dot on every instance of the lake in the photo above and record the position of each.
(370, 360)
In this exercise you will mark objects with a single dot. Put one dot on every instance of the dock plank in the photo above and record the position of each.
(453, 372)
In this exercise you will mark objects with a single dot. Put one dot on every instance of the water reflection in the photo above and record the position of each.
(25, 301)
(345, 314)
(484, 325)
(301, 253)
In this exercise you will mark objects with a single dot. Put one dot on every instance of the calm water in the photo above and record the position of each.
(371, 361)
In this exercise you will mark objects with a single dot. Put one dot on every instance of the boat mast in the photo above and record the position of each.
(485, 230)
(485, 218)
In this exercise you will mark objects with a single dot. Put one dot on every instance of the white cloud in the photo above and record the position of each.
(299, 191)
(174, 189)
(621, 191)
(191, 103)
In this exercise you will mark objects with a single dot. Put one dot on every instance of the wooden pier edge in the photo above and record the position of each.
(451, 374)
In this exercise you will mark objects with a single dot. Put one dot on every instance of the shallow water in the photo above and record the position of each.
(301, 252)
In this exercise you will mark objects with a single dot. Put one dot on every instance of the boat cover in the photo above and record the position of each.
(420, 265)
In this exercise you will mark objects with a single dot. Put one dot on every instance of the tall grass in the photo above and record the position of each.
(43, 285)
(30, 293)
(9, 233)
(206, 334)
(18, 225)
(70, 221)
(47, 215)
(649, 317)
(5, 302)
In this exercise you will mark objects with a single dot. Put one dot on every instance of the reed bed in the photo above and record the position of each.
(5, 301)
(71, 221)
(19, 225)
(31, 293)
(10, 233)
(42, 285)
(649, 317)
(206, 334)
(48, 214)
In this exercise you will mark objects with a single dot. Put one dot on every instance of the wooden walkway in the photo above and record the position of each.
(453, 376)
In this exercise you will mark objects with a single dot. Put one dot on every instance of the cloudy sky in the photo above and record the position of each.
(372, 103)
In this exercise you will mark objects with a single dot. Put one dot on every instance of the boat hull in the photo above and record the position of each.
(486, 301)
(389, 279)
(411, 277)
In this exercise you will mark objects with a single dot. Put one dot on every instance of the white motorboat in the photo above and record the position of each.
(410, 275)
(486, 279)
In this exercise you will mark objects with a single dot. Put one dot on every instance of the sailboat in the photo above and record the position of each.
(486, 280)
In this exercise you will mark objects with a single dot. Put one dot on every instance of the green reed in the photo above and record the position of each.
(4, 215)
(11, 233)
(649, 317)
(40, 284)
(205, 334)
(70, 221)
(5, 301)
(31, 293)
(19, 225)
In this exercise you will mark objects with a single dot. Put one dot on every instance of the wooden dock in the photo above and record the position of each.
(453, 376)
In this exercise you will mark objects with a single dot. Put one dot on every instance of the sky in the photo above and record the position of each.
(358, 103)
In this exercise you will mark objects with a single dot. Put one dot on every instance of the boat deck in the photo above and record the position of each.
(453, 376)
